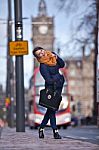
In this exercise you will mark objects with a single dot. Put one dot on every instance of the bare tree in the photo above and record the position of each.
(84, 22)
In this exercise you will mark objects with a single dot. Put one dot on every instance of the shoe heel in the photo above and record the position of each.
(41, 133)
(56, 134)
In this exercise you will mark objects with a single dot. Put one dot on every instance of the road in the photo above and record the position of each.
(84, 133)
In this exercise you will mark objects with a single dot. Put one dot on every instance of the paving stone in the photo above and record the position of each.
(12, 140)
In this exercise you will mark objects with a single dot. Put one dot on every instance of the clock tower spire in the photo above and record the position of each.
(42, 8)
(43, 28)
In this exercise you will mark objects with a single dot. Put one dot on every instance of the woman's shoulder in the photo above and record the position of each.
(43, 68)
(43, 65)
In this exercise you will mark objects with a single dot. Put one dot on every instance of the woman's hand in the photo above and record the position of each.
(54, 55)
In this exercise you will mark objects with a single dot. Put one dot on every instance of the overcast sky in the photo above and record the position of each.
(63, 32)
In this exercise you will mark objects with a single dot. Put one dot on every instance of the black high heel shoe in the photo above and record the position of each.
(41, 133)
(56, 134)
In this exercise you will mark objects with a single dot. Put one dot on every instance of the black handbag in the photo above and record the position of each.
(50, 99)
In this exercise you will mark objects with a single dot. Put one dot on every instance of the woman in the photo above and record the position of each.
(49, 69)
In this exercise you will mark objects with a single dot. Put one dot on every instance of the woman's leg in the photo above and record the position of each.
(43, 124)
(45, 119)
(52, 118)
(50, 114)
(53, 124)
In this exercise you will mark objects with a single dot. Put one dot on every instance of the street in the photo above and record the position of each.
(72, 139)
(89, 133)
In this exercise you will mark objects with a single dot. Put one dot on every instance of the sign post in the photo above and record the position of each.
(17, 49)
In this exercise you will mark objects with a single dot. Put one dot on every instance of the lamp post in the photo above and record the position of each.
(20, 104)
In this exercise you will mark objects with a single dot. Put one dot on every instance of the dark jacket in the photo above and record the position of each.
(51, 74)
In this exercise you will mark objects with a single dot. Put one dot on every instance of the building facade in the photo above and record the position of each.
(81, 83)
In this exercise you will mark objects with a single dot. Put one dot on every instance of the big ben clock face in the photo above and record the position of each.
(43, 29)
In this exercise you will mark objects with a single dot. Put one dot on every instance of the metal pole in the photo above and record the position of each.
(20, 109)
(97, 53)
(10, 70)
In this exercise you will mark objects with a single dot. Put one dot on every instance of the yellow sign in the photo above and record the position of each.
(18, 48)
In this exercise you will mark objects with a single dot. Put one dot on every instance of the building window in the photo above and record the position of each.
(72, 92)
(78, 64)
(72, 83)
(72, 72)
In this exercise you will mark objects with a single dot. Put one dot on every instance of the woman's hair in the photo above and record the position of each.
(36, 49)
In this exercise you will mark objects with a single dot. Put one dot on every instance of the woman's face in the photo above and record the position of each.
(40, 53)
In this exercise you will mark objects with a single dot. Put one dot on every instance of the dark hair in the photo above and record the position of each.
(36, 49)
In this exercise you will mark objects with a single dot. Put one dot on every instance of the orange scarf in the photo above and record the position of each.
(49, 59)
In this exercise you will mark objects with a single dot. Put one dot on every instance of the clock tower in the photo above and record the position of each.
(43, 28)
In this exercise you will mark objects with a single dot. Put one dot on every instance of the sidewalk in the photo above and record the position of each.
(12, 140)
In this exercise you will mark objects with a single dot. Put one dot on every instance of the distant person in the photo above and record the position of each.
(50, 63)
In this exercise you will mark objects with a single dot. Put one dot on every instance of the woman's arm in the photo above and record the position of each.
(59, 61)
(45, 73)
